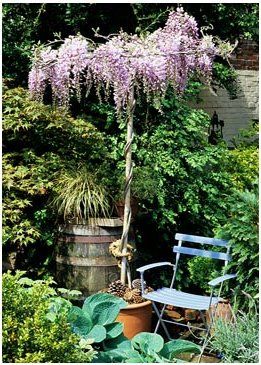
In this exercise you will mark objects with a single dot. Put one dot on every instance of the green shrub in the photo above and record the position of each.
(202, 270)
(237, 342)
(35, 326)
(38, 143)
(243, 161)
(241, 230)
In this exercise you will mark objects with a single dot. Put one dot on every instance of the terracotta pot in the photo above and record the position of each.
(119, 205)
(136, 318)
(223, 311)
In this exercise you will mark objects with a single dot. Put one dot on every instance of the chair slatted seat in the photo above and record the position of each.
(181, 299)
(172, 296)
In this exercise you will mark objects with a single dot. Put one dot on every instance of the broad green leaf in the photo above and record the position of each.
(97, 333)
(147, 342)
(176, 347)
(120, 342)
(114, 329)
(92, 301)
(105, 313)
(117, 356)
(81, 321)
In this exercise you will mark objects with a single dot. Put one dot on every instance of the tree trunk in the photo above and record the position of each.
(127, 190)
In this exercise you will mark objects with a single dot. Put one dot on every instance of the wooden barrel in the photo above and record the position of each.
(83, 261)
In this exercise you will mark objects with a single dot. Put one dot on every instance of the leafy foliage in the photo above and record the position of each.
(243, 161)
(192, 180)
(96, 322)
(78, 194)
(241, 230)
(34, 154)
(202, 270)
(96, 319)
(237, 342)
(225, 77)
(148, 348)
(35, 327)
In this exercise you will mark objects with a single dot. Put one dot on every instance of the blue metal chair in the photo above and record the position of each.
(171, 296)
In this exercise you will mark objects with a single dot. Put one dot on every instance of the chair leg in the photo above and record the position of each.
(160, 321)
(160, 315)
(211, 322)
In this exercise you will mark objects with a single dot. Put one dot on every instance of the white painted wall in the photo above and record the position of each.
(236, 113)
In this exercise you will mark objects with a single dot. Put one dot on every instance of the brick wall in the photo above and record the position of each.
(237, 113)
(245, 56)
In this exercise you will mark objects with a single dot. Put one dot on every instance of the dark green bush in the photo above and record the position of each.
(33, 331)
(241, 230)
(38, 143)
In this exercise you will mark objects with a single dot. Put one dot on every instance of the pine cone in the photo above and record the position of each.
(133, 296)
(148, 289)
(136, 284)
(117, 288)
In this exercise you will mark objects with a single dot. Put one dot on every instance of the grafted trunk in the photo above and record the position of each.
(127, 191)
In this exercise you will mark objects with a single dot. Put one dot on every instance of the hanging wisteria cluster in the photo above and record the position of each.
(165, 57)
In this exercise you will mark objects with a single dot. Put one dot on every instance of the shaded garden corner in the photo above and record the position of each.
(108, 168)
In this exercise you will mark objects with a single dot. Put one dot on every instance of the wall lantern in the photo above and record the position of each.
(215, 130)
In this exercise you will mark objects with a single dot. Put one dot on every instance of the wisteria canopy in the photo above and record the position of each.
(149, 63)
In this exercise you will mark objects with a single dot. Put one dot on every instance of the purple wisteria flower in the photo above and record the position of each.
(168, 56)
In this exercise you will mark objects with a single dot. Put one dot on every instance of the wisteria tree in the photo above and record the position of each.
(125, 65)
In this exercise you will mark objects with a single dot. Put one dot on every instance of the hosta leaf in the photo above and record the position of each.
(105, 313)
(119, 356)
(81, 321)
(114, 330)
(147, 342)
(120, 342)
(92, 301)
(176, 347)
(97, 333)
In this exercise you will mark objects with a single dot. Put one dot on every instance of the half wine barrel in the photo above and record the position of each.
(83, 260)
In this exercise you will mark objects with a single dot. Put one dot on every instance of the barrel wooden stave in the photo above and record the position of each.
(83, 261)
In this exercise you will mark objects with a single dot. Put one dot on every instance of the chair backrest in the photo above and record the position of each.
(180, 249)
(203, 241)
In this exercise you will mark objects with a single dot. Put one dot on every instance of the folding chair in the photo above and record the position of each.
(171, 296)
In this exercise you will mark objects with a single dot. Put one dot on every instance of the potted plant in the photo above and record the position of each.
(143, 189)
(127, 65)
(82, 205)
(78, 196)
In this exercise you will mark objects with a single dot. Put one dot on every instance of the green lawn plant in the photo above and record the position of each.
(95, 323)
(35, 324)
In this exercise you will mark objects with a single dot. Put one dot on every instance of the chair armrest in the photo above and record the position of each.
(151, 266)
(220, 279)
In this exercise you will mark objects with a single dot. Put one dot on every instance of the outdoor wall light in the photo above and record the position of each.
(215, 130)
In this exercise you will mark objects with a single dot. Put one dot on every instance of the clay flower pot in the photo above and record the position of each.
(119, 205)
(136, 318)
